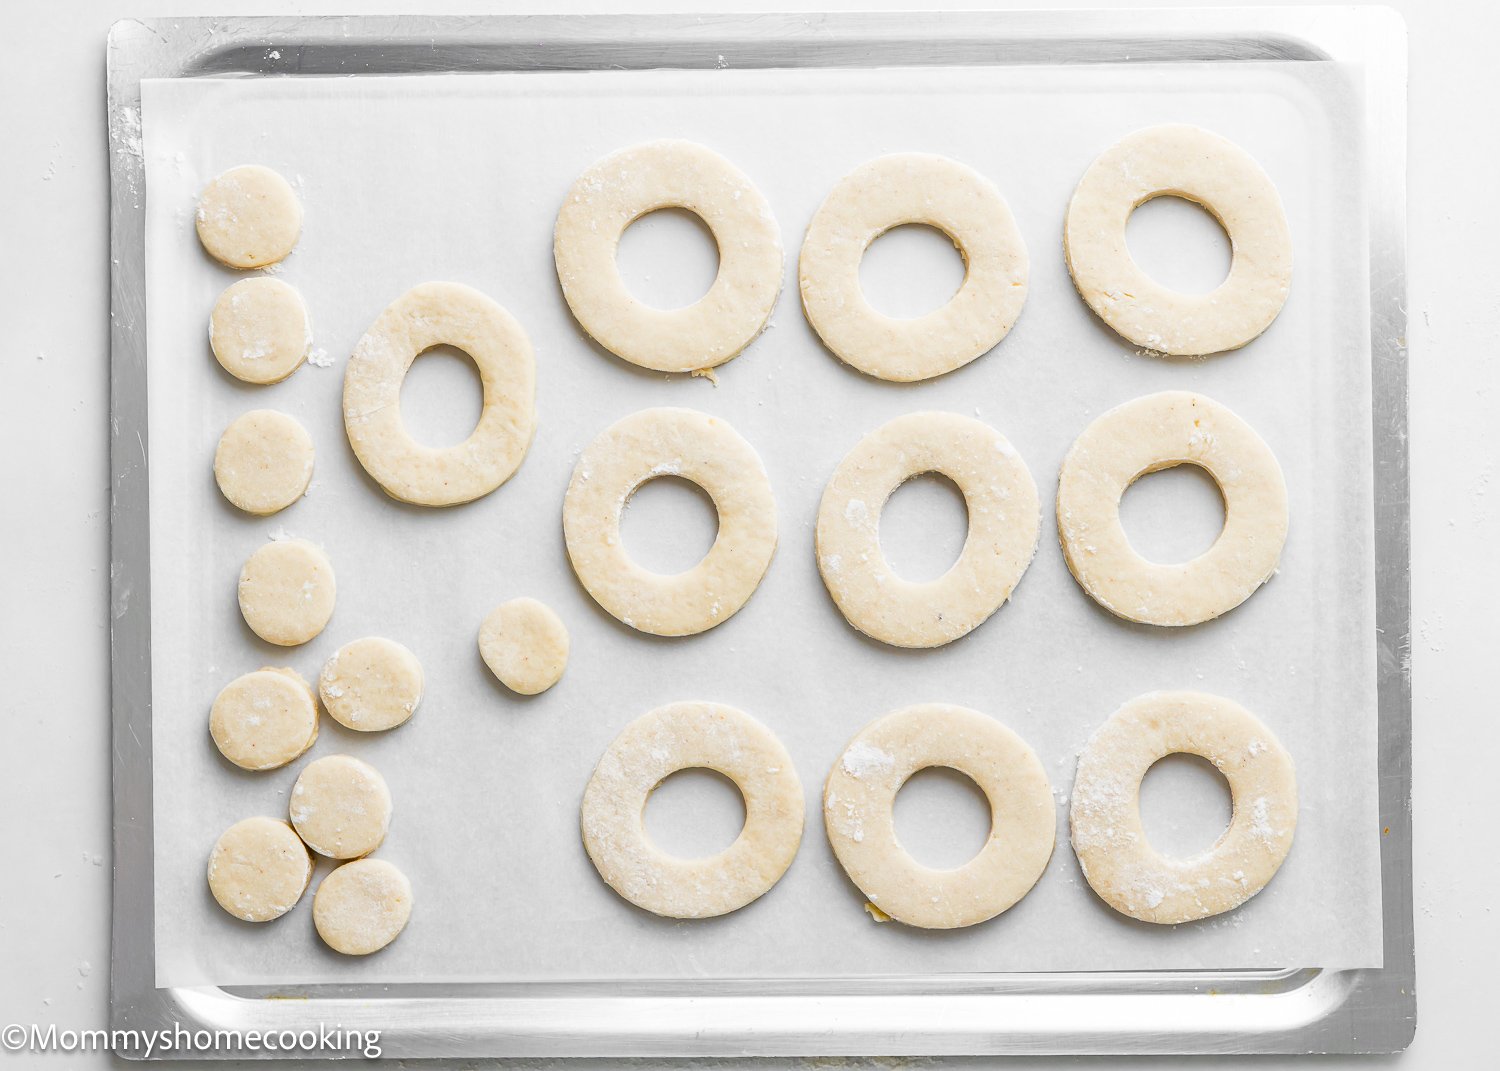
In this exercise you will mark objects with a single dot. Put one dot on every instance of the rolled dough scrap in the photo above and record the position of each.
(287, 592)
(248, 217)
(1184, 161)
(1004, 520)
(1108, 836)
(1158, 432)
(371, 684)
(889, 192)
(680, 736)
(259, 330)
(264, 461)
(258, 869)
(860, 794)
(362, 907)
(696, 447)
(618, 190)
(341, 807)
(429, 315)
(525, 645)
(264, 719)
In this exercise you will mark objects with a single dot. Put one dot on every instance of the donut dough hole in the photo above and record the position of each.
(693, 446)
(248, 217)
(889, 192)
(429, 315)
(1158, 432)
(525, 645)
(287, 592)
(1188, 162)
(1121, 867)
(618, 190)
(264, 461)
(371, 684)
(259, 330)
(1004, 521)
(259, 869)
(860, 794)
(341, 807)
(264, 719)
(362, 907)
(681, 736)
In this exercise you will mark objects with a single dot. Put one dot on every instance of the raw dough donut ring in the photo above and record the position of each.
(1004, 519)
(371, 684)
(683, 736)
(248, 217)
(362, 907)
(287, 591)
(1158, 432)
(1110, 842)
(525, 645)
(265, 719)
(889, 192)
(861, 792)
(429, 315)
(1184, 161)
(621, 188)
(696, 447)
(263, 462)
(341, 807)
(259, 330)
(259, 869)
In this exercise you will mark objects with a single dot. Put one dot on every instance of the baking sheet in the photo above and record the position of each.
(409, 179)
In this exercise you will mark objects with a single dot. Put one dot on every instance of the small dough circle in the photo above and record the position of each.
(264, 461)
(888, 192)
(860, 794)
(371, 684)
(259, 330)
(249, 217)
(1004, 521)
(1184, 161)
(681, 736)
(1118, 862)
(264, 719)
(287, 591)
(1158, 432)
(341, 807)
(525, 645)
(429, 315)
(618, 190)
(259, 869)
(362, 906)
(694, 446)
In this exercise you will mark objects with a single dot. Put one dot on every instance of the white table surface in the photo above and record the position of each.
(54, 621)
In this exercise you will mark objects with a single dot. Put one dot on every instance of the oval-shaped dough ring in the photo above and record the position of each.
(1157, 432)
(618, 190)
(888, 192)
(696, 447)
(1004, 520)
(429, 315)
(1179, 161)
(861, 791)
(1106, 814)
(681, 736)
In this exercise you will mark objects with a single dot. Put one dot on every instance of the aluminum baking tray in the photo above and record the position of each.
(1307, 1010)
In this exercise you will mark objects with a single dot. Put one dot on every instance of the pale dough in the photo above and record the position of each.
(259, 330)
(1157, 432)
(1184, 161)
(1106, 815)
(892, 191)
(287, 591)
(341, 807)
(248, 217)
(362, 906)
(694, 735)
(429, 315)
(618, 190)
(860, 793)
(259, 869)
(264, 461)
(696, 447)
(264, 719)
(525, 645)
(1004, 520)
(371, 684)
